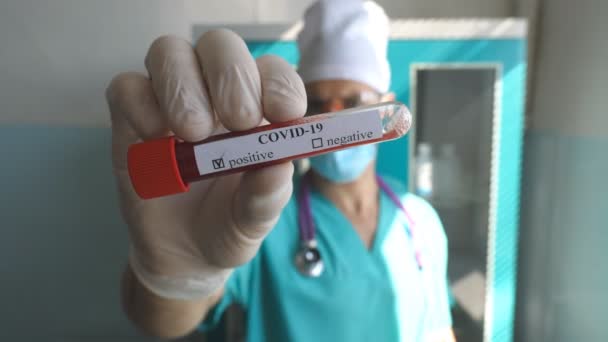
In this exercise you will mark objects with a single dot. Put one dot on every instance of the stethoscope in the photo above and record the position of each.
(308, 258)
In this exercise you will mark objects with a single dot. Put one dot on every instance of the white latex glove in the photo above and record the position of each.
(184, 246)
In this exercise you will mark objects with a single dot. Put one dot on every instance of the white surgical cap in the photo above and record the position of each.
(345, 39)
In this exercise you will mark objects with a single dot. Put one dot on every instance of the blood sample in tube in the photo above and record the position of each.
(168, 165)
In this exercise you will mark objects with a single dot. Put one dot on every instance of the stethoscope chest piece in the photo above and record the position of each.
(308, 259)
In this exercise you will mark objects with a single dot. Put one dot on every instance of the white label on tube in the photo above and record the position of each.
(288, 141)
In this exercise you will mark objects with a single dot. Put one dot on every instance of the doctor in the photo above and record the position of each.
(340, 254)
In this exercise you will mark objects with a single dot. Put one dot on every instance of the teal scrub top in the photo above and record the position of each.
(375, 294)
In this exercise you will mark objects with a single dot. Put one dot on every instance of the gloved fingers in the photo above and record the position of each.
(238, 213)
(261, 197)
(232, 78)
(135, 114)
(283, 92)
(178, 84)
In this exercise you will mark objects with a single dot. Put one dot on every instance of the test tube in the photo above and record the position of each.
(166, 166)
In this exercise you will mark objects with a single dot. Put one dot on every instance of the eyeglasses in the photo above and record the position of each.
(318, 106)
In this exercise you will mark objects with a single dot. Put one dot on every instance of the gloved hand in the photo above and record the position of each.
(184, 246)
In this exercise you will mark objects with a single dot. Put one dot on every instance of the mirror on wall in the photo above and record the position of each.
(453, 108)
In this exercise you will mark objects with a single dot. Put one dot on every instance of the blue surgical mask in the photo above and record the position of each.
(346, 165)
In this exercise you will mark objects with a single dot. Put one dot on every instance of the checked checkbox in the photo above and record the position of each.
(218, 163)
(317, 143)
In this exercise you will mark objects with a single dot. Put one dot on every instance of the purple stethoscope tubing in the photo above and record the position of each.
(307, 228)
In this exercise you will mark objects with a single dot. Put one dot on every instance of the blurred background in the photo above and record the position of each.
(63, 245)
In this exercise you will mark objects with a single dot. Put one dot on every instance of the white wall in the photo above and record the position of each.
(57, 56)
(563, 276)
(447, 8)
(247, 10)
(570, 90)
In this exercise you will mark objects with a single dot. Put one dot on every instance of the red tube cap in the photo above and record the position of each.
(153, 168)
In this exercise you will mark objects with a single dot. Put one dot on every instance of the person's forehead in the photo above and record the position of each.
(336, 88)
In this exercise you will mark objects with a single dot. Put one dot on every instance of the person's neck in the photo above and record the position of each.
(354, 198)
